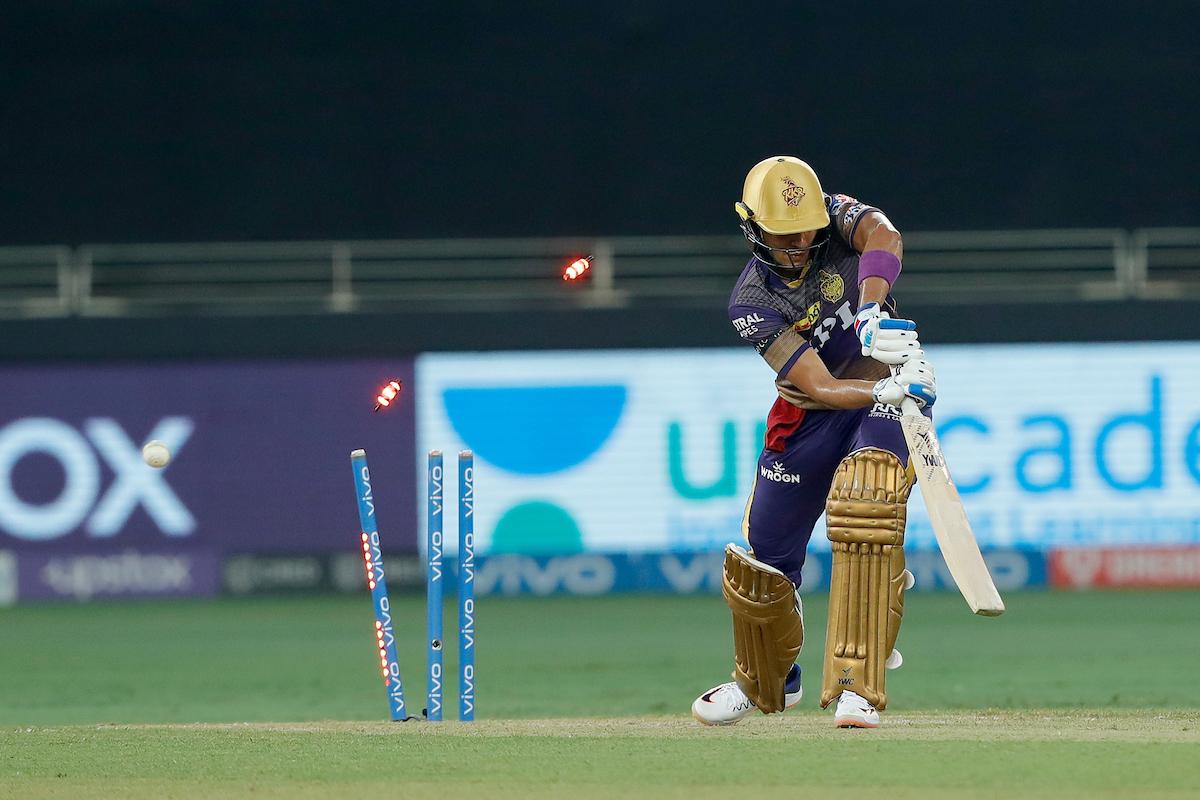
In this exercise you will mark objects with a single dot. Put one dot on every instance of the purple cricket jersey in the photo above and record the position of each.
(806, 440)
(783, 320)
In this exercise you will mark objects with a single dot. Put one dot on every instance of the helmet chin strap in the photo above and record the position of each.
(800, 259)
(792, 276)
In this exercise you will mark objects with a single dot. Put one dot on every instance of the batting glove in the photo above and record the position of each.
(914, 379)
(891, 341)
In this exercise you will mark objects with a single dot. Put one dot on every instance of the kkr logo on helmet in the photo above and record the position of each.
(793, 193)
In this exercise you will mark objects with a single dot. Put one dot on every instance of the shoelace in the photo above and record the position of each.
(741, 705)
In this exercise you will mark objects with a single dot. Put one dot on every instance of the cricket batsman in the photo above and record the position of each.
(814, 302)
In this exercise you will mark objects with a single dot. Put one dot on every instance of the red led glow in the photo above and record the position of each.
(389, 392)
(370, 584)
(364, 538)
(378, 625)
(577, 269)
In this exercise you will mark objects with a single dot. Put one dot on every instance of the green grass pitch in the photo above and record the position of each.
(1067, 695)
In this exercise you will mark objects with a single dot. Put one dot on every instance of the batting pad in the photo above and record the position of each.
(768, 630)
(865, 516)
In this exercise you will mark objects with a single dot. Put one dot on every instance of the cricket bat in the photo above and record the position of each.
(946, 514)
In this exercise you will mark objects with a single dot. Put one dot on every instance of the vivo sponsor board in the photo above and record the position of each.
(128, 573)
(692, 573)
(405, 573)
(1051, 445)
(1126, 567)
(260, 462)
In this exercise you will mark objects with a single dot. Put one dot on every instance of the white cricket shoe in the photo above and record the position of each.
(727, 703)
(855, 712)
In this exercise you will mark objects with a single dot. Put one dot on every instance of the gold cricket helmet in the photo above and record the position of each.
(782, 195)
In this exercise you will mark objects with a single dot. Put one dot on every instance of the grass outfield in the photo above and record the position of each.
(958, 755)
(1067, 695)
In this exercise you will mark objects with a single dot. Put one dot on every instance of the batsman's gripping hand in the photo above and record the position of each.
(891, 341)
(913, 378)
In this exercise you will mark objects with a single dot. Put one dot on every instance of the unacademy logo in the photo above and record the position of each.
(778, 474)
(528, 446)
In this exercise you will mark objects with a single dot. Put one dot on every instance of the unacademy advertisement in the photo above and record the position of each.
(1051, 445)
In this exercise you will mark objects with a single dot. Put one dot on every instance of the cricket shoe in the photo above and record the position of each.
(727, 703)
(855, 712)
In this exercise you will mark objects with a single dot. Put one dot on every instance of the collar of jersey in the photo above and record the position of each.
(778, 282)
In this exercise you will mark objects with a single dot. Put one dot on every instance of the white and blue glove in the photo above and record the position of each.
(891, 341)
(913, 379)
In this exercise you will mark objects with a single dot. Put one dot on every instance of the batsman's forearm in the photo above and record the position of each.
(844, 394)
(873, 290)
(810, 375)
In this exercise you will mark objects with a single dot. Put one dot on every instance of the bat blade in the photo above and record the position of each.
(950, 525)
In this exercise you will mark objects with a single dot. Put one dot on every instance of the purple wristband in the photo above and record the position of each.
(878, 264)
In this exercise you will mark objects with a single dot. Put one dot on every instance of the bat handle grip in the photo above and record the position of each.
(908, 406)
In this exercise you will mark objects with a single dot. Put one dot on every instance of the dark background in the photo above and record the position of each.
(124, 121)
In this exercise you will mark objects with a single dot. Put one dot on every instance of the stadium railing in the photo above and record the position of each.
(341, 276)
(1165, 263)
(37, 281)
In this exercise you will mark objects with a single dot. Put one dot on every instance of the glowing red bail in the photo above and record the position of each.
(577, 269)
(389, 392)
